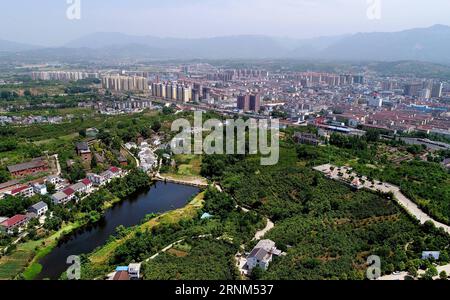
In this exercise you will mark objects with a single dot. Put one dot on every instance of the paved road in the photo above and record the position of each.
(138, 162)
(401, 275)
(260, 234)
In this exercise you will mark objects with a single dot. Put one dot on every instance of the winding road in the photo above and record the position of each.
(378, 186)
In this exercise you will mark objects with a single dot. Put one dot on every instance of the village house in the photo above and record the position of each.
(262, 255)
(88, 185)
(23, 191)
(7, 186)
(57, 181)
(84, 152)
(446, 163)
(40, 189)
(121, 275)
(64, 196)
(79, 187)
(130, 272)
(122, 161)
(96, 179)
(82, 187)
(111, 173)
(39, 208)
(60, 198)
(134, 271)
(306, 138)
(18, 222)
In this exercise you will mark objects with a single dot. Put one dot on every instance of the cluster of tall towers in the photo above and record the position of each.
(181, 92)
(249, 102)
(125, 83)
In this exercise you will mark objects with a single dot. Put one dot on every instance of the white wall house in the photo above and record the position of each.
(262, 255)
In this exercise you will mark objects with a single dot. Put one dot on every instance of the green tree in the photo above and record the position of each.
(51, 188)
(168, 110)
(156, 126)
(412, 270)
(430, 273)
(257, 273)
(4, 176)
(94, 162)
(82, 133)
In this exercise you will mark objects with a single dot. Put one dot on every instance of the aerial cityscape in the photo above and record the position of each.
(225, 154)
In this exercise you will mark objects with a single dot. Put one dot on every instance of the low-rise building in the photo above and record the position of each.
(121, 275)
(18, 222)
(7, 186)
(111, 173)
(37, 165)
(23, 191)
(96, 179)
(88, 184)
(262, 255)
(84, 152)
(79, 188)
(39, 208)
(64, 196)
(134, 271)
(306, 138)
(55, 180)
(40, 189)
(82, 187)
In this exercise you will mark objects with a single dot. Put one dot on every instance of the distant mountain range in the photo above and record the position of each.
(8, 46)
(430, 44)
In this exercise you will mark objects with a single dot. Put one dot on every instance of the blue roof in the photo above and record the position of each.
(206, 216)
(119, 269)
(431, 254)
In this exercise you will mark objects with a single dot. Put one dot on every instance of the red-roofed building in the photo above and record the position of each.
(87, 183)
(115, 170)
(69, 192)
(18, 221)
(37, 165)
(24, 190)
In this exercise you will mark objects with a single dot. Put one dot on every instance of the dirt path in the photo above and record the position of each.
(260, 234)
(198, 182)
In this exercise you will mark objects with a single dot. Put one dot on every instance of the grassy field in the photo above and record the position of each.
(66, 138)
(28, 254)
(187, 169)
(187, 165)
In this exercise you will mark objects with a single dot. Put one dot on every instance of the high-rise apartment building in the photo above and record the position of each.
(413, 89)
(125, 83)
(255, 102)
(243, 102)
(436, 91)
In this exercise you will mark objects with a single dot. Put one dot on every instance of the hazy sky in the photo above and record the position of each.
(44, 22)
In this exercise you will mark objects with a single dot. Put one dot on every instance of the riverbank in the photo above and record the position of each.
(196, 181)
(25, 258)
(34, 268)
(24, 262)
(98, 260)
